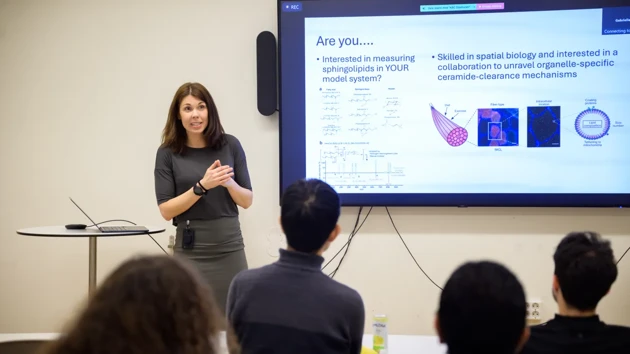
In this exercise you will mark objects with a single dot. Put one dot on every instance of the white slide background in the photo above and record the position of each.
(371, 136)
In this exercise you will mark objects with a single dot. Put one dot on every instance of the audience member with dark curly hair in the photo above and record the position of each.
(154, 304)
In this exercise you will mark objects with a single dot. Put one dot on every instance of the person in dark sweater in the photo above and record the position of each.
(482, 310)
(291, 306)
(585, 270)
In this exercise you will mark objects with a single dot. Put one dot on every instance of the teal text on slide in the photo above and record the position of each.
(453, 7)
(463, 7)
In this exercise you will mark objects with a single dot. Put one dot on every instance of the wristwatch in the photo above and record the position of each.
(198, 190)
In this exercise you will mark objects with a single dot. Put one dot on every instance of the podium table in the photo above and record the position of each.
(92, 233)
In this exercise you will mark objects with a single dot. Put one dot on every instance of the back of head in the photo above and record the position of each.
(482, 310)
(150, 304)
(585, 268)
(310, 211)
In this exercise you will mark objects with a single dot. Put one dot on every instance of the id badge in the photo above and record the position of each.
(188, 241)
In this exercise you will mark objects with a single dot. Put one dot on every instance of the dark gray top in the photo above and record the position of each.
(577, 335)
(291, 306)
(175, 174)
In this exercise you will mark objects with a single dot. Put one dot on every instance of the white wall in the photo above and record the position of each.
(84, 92)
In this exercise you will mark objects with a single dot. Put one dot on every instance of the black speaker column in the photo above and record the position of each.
(266, 73)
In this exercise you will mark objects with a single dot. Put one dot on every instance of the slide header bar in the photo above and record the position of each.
(351, 8)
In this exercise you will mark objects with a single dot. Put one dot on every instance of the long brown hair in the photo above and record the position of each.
(153, 304)
(174, 135)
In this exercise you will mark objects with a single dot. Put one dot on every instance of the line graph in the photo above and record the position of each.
(358, 168)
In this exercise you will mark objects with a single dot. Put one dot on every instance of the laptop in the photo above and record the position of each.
(113, 229)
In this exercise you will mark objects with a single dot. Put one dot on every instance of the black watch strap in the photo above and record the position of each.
(202, 187)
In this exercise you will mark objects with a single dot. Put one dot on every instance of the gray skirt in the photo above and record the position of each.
(218, 252)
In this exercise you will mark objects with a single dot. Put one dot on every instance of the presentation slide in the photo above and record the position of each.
(471, 98)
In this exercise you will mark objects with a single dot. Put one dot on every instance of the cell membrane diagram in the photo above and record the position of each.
(592, 124)
(451, 132)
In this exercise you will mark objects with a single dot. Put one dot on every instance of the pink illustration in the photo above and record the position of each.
(451, 132)
(491, 6)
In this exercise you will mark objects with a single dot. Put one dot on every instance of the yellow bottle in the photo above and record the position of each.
(379, 336)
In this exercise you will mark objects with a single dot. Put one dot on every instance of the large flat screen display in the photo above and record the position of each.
(416, 103)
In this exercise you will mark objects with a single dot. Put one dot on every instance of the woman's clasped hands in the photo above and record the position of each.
(217, 175)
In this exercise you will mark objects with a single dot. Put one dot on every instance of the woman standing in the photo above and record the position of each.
(201, 179)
